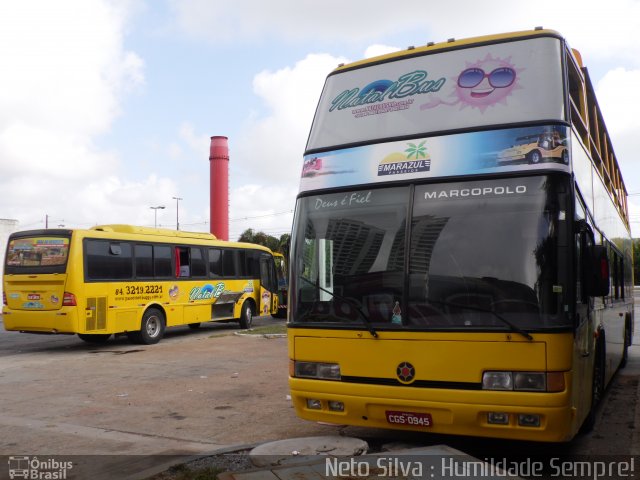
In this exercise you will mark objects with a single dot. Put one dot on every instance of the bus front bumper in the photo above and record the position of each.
(464, 413)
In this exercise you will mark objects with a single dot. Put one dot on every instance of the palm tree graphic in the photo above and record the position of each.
(419, 151)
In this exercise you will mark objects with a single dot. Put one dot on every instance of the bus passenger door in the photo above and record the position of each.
(268, 285)
(584, 329)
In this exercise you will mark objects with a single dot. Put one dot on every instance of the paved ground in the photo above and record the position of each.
(191, 393)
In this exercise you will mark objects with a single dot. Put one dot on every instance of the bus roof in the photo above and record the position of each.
(451, 44)
(121, 228)
(131, 232)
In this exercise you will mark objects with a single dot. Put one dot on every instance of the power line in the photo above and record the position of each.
(261, 216)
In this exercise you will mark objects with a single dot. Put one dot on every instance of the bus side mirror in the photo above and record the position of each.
(597, 278)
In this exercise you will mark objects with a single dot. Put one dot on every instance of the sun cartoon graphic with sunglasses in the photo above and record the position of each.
(486, 82)
(482, 84)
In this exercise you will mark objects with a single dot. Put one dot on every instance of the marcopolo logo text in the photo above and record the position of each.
(475, 192)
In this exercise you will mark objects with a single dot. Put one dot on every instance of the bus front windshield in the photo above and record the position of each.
(478, 255)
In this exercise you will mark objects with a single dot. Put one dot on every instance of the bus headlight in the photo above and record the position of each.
(531, 381)
(324, 371)
(497, 381)
(524, 381)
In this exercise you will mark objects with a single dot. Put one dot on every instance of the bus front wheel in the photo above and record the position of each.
(246, 315)
(94, 338)
(151, 328)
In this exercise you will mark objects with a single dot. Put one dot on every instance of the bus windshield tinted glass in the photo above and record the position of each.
(482, 255)
(484, 250)
(38, 253)
(349, 256)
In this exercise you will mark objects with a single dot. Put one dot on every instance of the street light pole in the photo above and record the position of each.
(155, 214)
(177, 199)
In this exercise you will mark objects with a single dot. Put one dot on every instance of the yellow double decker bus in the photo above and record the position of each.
(125, 279)
(441, 282)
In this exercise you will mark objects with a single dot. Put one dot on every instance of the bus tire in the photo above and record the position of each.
(246, 315)
(94, 337)
(597, 390)
(151, 328)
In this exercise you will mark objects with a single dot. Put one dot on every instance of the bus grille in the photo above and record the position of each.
(97, 319)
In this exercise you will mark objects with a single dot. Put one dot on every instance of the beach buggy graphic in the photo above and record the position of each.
(311, 166)
(536, 148)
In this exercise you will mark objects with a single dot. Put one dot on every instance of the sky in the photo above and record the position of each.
(107, 107)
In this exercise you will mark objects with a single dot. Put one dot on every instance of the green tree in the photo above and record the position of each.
(283, 244)
(261, 238)
(247, 236)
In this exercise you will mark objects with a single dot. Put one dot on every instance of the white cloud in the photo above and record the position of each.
(64, 71)
(602, 31)
(618, 95)
(198, 143)
(617, 91)
(330, 19)
(63, 64)
(263, 208)
(270, 149)
(377, 49)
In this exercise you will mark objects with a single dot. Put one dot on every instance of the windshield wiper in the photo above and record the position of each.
(510, 324)
(350, 301)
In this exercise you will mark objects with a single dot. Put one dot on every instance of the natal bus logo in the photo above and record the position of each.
(416, 160)
(206, 292)
(407, 85)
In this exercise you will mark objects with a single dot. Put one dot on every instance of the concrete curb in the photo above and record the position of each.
(263, 335)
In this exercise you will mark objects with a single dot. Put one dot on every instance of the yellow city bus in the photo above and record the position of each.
(283, 285)
(435, 286)
(125, 279)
